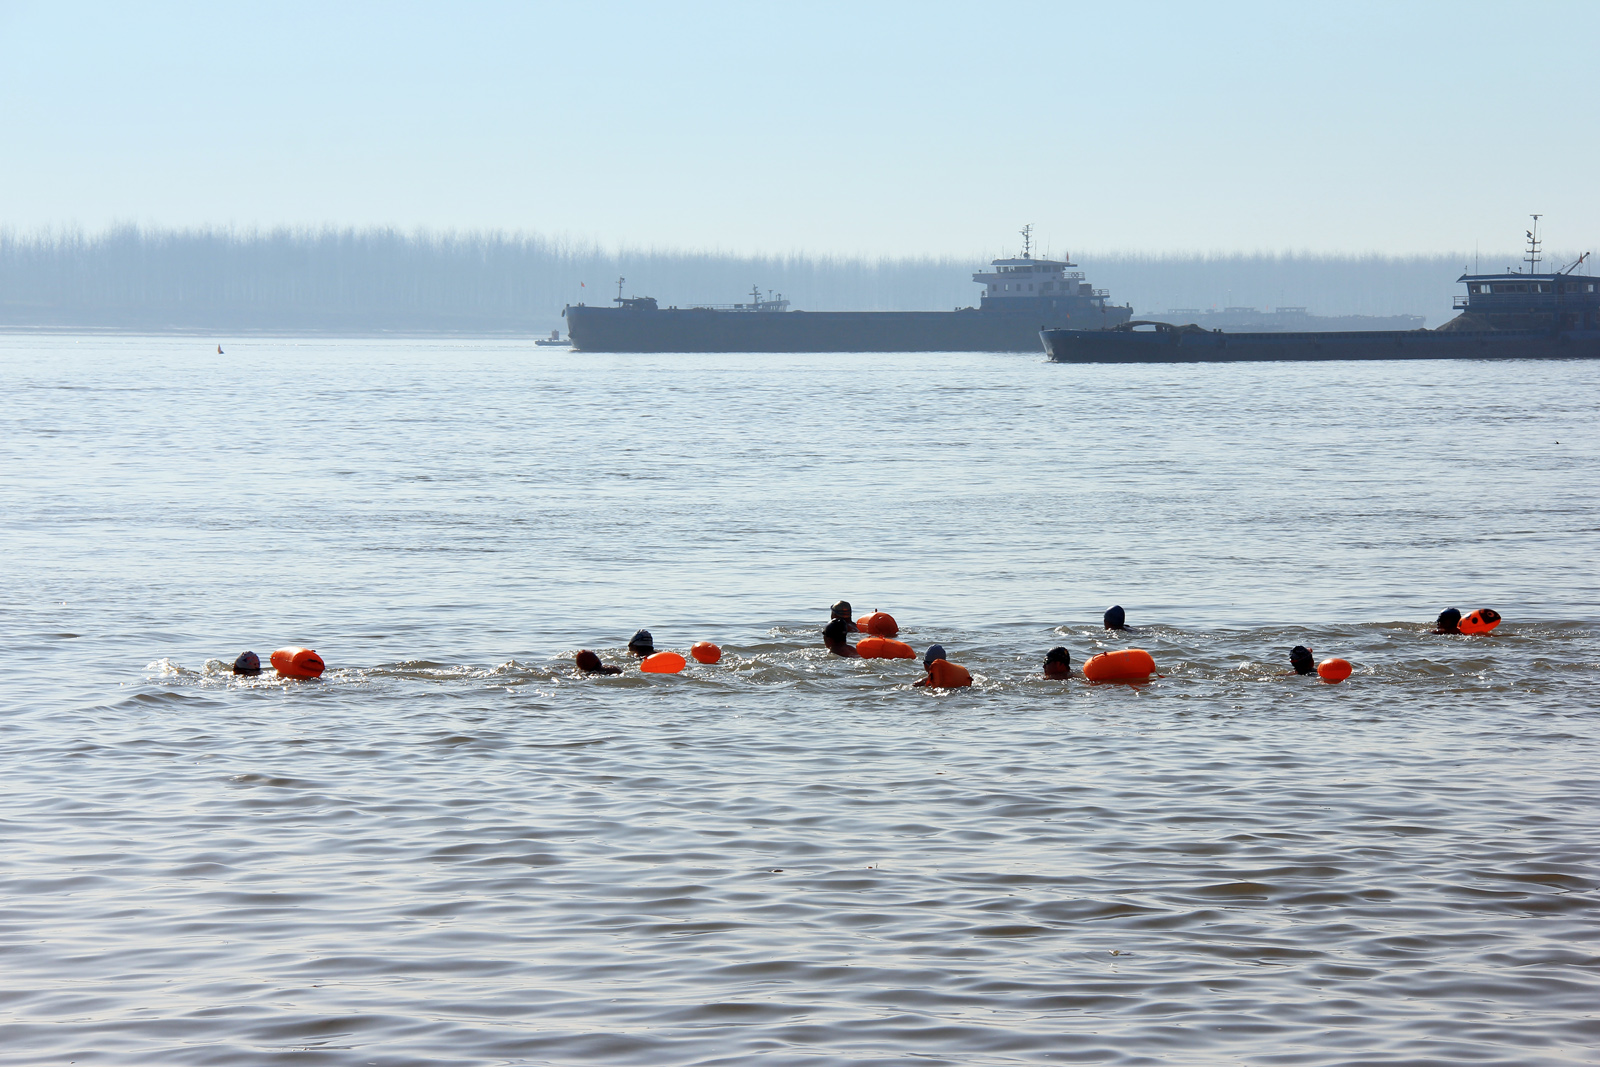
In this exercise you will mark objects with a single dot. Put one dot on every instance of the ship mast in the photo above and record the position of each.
(1027, 241)
(1532, 258)
(619, 289)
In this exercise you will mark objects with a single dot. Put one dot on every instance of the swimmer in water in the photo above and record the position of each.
(1058, 663)
(1300, 660)
(1448, 622)
(642, 644)
(841, 611)
(1116, 618)
(247, 663)
(942, 674)
(589, 663)
(833, 635)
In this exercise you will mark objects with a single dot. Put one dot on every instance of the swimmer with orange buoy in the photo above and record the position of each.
(833, 636)
(589, 663)
(1058, 663)
(841, 611)
(642, 645)
(1479, 622)
(942, 674)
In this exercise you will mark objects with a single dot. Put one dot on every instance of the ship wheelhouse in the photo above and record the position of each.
(1532, 301)
(1050, 289)
(1018, 283)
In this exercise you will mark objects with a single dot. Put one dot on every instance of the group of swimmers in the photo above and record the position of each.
(943, 674)
(882, 628)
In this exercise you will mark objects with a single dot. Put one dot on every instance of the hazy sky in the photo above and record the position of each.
(911, 128)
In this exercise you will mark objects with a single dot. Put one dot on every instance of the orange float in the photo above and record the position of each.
(1333, 671)
(876, 647)
(705, 652)
(663, 663)
(1480, 622)
(880, 623)
(297, 663)
(1126, 665)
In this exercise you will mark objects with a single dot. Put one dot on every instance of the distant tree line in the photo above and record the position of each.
(382, 280)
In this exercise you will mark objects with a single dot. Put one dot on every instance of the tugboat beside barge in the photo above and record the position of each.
(1515, 315)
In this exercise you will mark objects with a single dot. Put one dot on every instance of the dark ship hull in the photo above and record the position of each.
(628, 329)
(1205, 346)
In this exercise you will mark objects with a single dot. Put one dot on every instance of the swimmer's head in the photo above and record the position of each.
(1116, 618)
(833, 633)
(841, 610)
(247, 663)
(1060, 655)
(1300, 660)
(588, 661)
(1449, 621)
(935, 652)
(642, 644)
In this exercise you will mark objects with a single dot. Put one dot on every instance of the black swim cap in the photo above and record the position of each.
(1059, 654)
(833, 633)
(841, 610)
(1116, 618)
(935, 652)
(247, 663)
(1449, 619)
(642, 641)
(1300, 660)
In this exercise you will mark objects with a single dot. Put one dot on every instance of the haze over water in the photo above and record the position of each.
(451, 850)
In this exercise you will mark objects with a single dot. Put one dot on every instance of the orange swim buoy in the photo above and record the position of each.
(705, 652)
(1333, 671)
(1126, 665)
(876, 647)
(1480, 622)
(663, 663)
(880, 623)
(297, 663)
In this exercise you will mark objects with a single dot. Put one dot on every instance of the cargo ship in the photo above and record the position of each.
(1020, 297)
(1515, 315)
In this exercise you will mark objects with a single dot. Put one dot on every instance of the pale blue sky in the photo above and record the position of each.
(918, 128)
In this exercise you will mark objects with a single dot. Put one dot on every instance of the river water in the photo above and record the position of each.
(452, 850)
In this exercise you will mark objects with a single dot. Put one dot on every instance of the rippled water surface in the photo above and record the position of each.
(452, 850)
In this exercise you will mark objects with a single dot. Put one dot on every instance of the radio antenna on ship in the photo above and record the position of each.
(1027, 241)
(619, 287)
(1532, 258)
